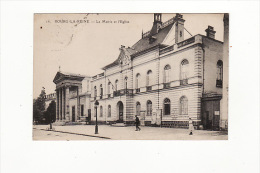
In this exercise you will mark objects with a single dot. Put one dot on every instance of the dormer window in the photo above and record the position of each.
(151, 39)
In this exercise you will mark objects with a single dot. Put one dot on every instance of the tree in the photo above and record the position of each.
(39, 107)
(50, 114)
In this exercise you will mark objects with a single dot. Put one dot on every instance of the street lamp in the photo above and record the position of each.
(96, 128)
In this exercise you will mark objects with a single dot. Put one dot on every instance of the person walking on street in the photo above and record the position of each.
(137, 123)
(191, 128)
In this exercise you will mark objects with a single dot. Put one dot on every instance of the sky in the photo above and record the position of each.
(84, 43)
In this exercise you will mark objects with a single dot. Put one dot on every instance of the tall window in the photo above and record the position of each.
(116, 85)
(167, 106)
(183, 105)
(149, 108)
(101, 90)
(138, 108)
(109, 111)
(166, 75)
(184, 71)
(149, 78)
(137, 81)
(95, 91)
(125, 83)
(101, 111)
(219, 73)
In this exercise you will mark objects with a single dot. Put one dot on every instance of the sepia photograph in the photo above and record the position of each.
(129, 86)
(130, 76)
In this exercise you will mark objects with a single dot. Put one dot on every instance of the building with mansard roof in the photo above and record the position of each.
(163, 78)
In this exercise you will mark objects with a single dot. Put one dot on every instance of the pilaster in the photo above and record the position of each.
(67, 92)
(57, 104)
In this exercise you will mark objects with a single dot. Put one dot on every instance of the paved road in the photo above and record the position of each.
(86, 132)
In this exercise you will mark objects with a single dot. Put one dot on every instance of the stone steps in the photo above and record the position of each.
(118, 125)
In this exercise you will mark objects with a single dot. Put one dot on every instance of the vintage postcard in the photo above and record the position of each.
(152, 76)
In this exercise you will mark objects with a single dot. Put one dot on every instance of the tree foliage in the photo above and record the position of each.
(50, 113)
(39, 108)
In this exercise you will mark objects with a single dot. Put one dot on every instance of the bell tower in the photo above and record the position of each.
(157, 23)
(157, 18)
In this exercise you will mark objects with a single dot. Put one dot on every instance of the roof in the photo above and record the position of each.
(144, 44)
(60, 76)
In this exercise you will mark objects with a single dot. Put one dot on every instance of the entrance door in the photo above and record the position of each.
(210, 116)
(120, 112)
(73, 113)
(89, 115)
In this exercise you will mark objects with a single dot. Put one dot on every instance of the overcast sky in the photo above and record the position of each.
(84, 48)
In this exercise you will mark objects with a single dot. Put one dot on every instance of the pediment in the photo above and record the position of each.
(61, 76)
(58, 77)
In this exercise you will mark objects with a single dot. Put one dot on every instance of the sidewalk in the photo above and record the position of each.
(129, 133)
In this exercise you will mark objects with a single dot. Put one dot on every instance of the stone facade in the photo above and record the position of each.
(163, 78)
(144, 73)
(71, 102)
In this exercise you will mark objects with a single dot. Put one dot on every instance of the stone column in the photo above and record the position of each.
(78, 104)
(67, 92)
(60, 94)
(62, 105)
(57, 104)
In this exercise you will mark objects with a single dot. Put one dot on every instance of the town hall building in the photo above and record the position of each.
(163, 78)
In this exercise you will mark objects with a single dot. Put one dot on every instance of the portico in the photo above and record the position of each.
(67, 86)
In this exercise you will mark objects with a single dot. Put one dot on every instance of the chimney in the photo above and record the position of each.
(210, 32)
(179, 28)
(157, 23)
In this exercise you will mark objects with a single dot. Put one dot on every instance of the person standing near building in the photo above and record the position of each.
(191, 128)
(137, 123)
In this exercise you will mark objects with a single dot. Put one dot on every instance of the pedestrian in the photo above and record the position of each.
(137, 123)
(191, 128)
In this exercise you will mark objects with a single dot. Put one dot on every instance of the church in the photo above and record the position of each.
(163, 78)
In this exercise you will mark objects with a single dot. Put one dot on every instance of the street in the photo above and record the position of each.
(106, 132)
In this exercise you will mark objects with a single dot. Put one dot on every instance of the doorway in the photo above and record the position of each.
(120, 108)
(73, 113)
(211, 114)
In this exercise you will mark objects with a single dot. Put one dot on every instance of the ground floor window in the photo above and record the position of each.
(183, 105)
(101, 111)
(109, 111)
(149, 108)
(167, 106)
(138, 108)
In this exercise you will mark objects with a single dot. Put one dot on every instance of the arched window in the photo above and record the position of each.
(116, 85)
(101, 111)
(109, 111)
(183, 105)
(138, 108)
(167, 106)
(149, 78)
(149, 108)
(137, 81)
(184, 71)
(95, 91)
(219, 73)
(166, 75)
(125, 83)
(101, 91)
